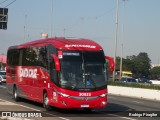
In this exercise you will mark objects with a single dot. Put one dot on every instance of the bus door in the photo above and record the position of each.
(42, 75)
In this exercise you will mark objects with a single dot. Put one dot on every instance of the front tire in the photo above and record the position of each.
(45, 102)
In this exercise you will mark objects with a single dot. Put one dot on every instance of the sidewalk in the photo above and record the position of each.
(135, 92)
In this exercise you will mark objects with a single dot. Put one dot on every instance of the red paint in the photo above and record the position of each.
(33, 81)
(111, 62)
(57, 63)
(67, 44)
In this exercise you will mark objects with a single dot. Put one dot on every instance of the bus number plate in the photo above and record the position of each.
(84, 106)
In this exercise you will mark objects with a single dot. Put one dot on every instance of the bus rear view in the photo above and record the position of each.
(75, 75)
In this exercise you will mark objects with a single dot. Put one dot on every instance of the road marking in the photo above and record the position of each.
(2, 86)
(114, 115)
(11, 103)
(35, 109)
(64, 118)
(15, 118)
(138, 102)
(6, 103)
(122, 117)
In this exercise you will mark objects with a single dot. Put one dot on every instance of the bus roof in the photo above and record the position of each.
(64, 44)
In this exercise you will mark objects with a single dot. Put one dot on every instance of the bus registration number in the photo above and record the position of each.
(84, 106)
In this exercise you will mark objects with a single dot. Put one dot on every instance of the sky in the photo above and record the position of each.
(92, 19)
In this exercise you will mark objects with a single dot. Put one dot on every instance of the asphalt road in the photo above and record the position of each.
(118, 108)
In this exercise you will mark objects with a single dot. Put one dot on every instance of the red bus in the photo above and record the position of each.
(60, 72)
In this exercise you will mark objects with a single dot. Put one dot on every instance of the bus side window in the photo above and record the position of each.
(13, 57)
(12, 61)
(43, 57)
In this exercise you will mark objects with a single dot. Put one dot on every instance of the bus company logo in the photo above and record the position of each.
(28, 73)
(85, 98)
(85, 94)
(81, 46)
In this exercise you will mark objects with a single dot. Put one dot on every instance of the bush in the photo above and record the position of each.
(134, 85)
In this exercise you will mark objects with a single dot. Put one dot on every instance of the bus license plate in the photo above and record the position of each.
(84, 106)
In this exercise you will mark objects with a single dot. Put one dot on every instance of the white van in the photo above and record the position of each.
(2, 76)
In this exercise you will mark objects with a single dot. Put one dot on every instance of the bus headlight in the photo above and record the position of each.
(63, 94)
(103, 103)
(103, 95)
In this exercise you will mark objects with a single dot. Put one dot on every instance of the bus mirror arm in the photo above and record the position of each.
(111, 63)
(57, 62)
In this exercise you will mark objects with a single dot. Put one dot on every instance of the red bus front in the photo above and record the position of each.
(79, 80)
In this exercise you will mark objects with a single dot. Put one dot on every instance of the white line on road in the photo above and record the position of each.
(35, 109)
(64, 118)
(2, 86)
(114, 115)
(138, 102)
(67, 118)
(122, 117)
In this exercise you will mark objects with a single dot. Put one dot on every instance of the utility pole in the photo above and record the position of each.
(51, 18)
(121, 62)
(115, 45)
(64, 32)
(25, 28)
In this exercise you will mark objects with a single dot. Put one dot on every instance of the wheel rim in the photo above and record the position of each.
(46, 100)
(15, 94)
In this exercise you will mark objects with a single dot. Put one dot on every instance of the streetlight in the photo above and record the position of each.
(115, 45)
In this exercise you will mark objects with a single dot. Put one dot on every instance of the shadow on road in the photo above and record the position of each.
(111, 108)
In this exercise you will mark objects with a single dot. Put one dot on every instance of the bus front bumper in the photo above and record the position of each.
(80, 102)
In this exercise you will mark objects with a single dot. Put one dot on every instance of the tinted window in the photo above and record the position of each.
(94, 57)
(51, 49)
(131, 80)
(35, 56)
(83, 70)
(13, 57)
(2, 73)
(123, 79)
(29, 57)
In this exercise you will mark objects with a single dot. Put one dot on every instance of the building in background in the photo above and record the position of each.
(155, 65)
(3, 60)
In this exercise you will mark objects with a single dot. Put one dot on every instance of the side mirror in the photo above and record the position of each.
(57, 63)
(111, 63)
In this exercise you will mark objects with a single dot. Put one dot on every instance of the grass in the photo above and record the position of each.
(134, 85)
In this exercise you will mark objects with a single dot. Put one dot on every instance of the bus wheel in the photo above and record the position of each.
(15, 94)
(45, 102)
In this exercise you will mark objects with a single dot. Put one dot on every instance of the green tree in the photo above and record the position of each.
(141, 65)
(117, 63)
(155, 72)
(127, 65)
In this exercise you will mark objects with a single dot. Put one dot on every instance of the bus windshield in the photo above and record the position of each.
(83, 71)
